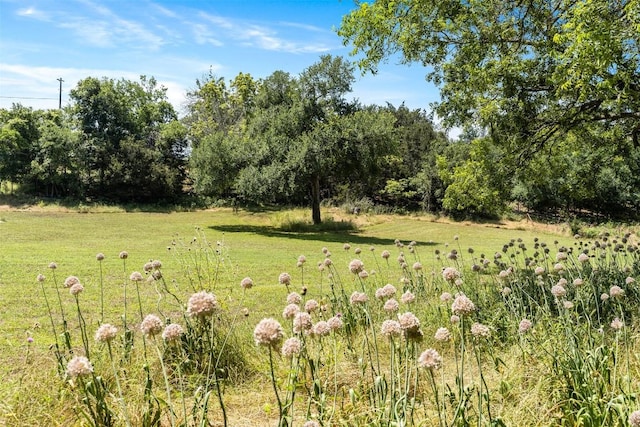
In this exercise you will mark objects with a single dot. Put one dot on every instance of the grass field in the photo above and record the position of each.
(244, 244)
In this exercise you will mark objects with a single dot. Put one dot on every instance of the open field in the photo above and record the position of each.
(253, 244)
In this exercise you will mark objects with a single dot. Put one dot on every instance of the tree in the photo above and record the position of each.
(19, 136)
(527, 71)
(56, 168)
(132, 148)
(296, 139)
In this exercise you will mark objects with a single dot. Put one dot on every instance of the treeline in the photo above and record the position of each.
(298, 140)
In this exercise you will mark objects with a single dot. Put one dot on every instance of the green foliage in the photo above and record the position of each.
(527, 73)
(130, 151)
(299, 137)
(475, 187)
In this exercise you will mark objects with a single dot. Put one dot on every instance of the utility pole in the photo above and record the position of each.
(60, 94)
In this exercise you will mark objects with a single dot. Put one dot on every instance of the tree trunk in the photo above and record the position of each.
(315, 199)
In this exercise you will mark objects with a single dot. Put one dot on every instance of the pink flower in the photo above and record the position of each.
(430, 359)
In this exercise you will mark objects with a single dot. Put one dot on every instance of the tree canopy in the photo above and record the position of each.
(528, 71)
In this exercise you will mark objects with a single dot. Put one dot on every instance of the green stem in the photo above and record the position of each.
(282, 422)
(166, 383)
(115, 374)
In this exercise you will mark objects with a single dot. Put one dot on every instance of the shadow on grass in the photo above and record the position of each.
(351, 237)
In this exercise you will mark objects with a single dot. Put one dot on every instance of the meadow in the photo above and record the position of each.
(403, 320)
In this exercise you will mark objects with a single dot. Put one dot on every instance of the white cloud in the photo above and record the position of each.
(20, 83)
(203, 35)
(260, 36)
(32, 12)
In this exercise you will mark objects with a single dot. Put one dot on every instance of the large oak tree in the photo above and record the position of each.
(528, 71)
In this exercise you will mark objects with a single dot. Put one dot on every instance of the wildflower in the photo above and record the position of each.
(294, 298)
(446, 297)
(335, 323)
(311, 306)
(430, 359)
(504, 274)
(479, 330)
(462, 305)
(629, 280)
(136, 277)
(325, 250)
(562, 282)
(442, 334)
(327, 262)
(356, 266)
(70, 281)
(201, 304)
(79, 366)
(561, 256)
(616, 324)
(407, 297)
(357, 251)
(558, 267)
(106, 332)
(386, 291)
(53, 265)
(246, 283)
(147, 267)
(616, 292)
(301, 260)
(284, 279)
(525, 325)
(301, 322)
(634, 419)
(506, 291)
(151, 325)
(558, 291)
(539, 271)
(604, 297)
(363, 274)
(40, 278)
(391, 305)
(268, 332)
(454, 319)
(385, 254)
(583, 257)
(75, 289)
(321, 329)
(458, 282)
(291, 347)
(290, 311)
(408, 321)
(417, 266)
(123, 255)
(100, 256)
(391, 328)
(172, 332)
(568, 305)
(346, 246)
(358, 298)
(450, 274)
(578, 282)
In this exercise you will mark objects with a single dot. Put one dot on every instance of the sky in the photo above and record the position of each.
(178, 42)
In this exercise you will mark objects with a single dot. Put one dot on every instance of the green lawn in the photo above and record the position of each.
(250, 244)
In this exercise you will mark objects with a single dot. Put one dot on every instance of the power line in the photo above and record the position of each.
(24, 97)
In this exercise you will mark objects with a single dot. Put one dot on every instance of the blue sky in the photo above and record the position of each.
(178, 42)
